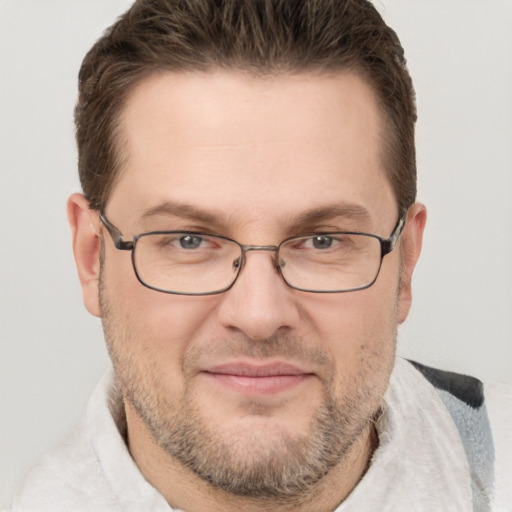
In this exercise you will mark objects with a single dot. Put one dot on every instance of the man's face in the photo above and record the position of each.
(262, 387)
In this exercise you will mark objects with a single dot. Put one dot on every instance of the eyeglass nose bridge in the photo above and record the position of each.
(248, 248)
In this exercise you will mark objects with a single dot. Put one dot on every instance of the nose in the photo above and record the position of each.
(260, 303)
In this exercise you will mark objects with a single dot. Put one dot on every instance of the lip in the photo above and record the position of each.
(250, 379)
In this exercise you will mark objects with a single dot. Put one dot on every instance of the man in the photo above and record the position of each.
(247, 234)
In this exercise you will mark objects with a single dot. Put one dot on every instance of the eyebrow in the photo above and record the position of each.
(317, 215)
(183, 210)
(304, 219)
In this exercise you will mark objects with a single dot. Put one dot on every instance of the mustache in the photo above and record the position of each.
(281, 346)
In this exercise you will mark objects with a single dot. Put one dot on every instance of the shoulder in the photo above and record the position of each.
(62, 479)
(72, 475)
(482, 413)
(92, 468)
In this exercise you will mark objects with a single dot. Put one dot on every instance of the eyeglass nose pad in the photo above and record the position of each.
(238, 262)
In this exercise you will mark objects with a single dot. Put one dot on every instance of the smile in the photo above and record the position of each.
(253, 379)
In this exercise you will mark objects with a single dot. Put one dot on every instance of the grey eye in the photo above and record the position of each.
(322, 242)
(190, 241)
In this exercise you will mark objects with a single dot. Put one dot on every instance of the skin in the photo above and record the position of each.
(256, 155)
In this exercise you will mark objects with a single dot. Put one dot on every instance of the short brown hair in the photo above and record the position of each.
(258, 36)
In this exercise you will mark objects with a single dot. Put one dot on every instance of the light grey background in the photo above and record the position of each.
(52, 351)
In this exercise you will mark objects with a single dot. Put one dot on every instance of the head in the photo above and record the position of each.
(257, 121)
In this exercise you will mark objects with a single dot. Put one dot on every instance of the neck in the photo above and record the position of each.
(186, 491)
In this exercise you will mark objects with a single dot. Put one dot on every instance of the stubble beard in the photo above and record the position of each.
(284, 470)
(264, 465)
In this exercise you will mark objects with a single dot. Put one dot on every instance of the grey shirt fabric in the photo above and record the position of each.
(436, 453)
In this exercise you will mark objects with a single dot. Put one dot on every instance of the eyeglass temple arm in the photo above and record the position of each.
(116, 235)
(388, 244)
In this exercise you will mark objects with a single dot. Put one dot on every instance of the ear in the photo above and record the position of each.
(412, 238)
(86, 248)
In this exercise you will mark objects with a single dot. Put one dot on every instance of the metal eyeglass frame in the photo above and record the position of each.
(386, 246)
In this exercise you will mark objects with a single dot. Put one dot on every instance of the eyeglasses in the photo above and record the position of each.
(192, 263)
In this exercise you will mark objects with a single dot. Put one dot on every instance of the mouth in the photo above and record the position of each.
(252, 379)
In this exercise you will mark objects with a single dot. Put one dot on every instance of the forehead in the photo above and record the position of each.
(251, 147)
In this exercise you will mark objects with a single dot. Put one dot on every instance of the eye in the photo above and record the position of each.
(183, 242)
(318, 242)
(326, 242)
(190, 241)
(321, 242)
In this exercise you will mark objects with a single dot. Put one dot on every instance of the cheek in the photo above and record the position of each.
(359, 331)
(351, 320)
(157, 327)
(167, 324)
